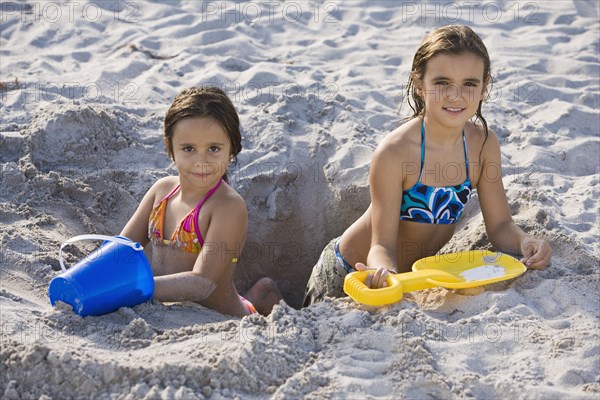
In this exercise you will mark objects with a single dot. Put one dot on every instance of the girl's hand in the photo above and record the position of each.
(376, 280)
(536, 253)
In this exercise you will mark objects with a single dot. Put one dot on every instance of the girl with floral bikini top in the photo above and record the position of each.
(195, 222)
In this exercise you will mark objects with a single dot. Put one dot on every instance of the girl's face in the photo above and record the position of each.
(452, 88)
(201, 150)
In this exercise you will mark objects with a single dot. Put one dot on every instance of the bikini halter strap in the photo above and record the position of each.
(197, 211)
(423, 149)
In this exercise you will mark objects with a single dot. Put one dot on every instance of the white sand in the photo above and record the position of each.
(317, 86)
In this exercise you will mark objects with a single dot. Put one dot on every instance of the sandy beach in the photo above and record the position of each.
(83, 93)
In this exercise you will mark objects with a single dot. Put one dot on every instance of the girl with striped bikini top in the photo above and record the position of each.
(195, 260)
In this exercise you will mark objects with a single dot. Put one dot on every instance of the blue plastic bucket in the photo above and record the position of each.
(115, 275)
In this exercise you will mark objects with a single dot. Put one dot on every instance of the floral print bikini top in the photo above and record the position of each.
(187, 236)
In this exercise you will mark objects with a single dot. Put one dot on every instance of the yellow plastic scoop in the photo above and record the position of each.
(462, 270)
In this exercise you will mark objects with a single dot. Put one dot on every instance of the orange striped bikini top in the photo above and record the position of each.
(187, 236)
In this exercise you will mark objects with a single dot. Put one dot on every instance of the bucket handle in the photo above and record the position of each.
(116, 239)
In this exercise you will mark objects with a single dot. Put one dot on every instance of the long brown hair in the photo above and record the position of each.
(204, 102)
(451, 39)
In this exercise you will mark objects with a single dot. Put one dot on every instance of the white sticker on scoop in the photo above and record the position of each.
(483, 272)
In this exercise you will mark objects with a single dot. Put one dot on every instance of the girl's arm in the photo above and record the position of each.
(223, 242)
(385, 179)
(503, 233)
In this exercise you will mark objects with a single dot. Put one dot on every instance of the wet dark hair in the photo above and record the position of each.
(208, 102)
(451, 39)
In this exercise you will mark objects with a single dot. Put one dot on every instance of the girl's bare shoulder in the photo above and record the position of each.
(163, 186)
(228, 211)
(488, 143)
(230, 200)
(402, 141)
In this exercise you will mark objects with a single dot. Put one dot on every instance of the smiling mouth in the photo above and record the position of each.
(453, 109)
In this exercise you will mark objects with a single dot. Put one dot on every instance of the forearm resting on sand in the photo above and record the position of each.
(536, 252)
(182, 286)
(507, 237)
